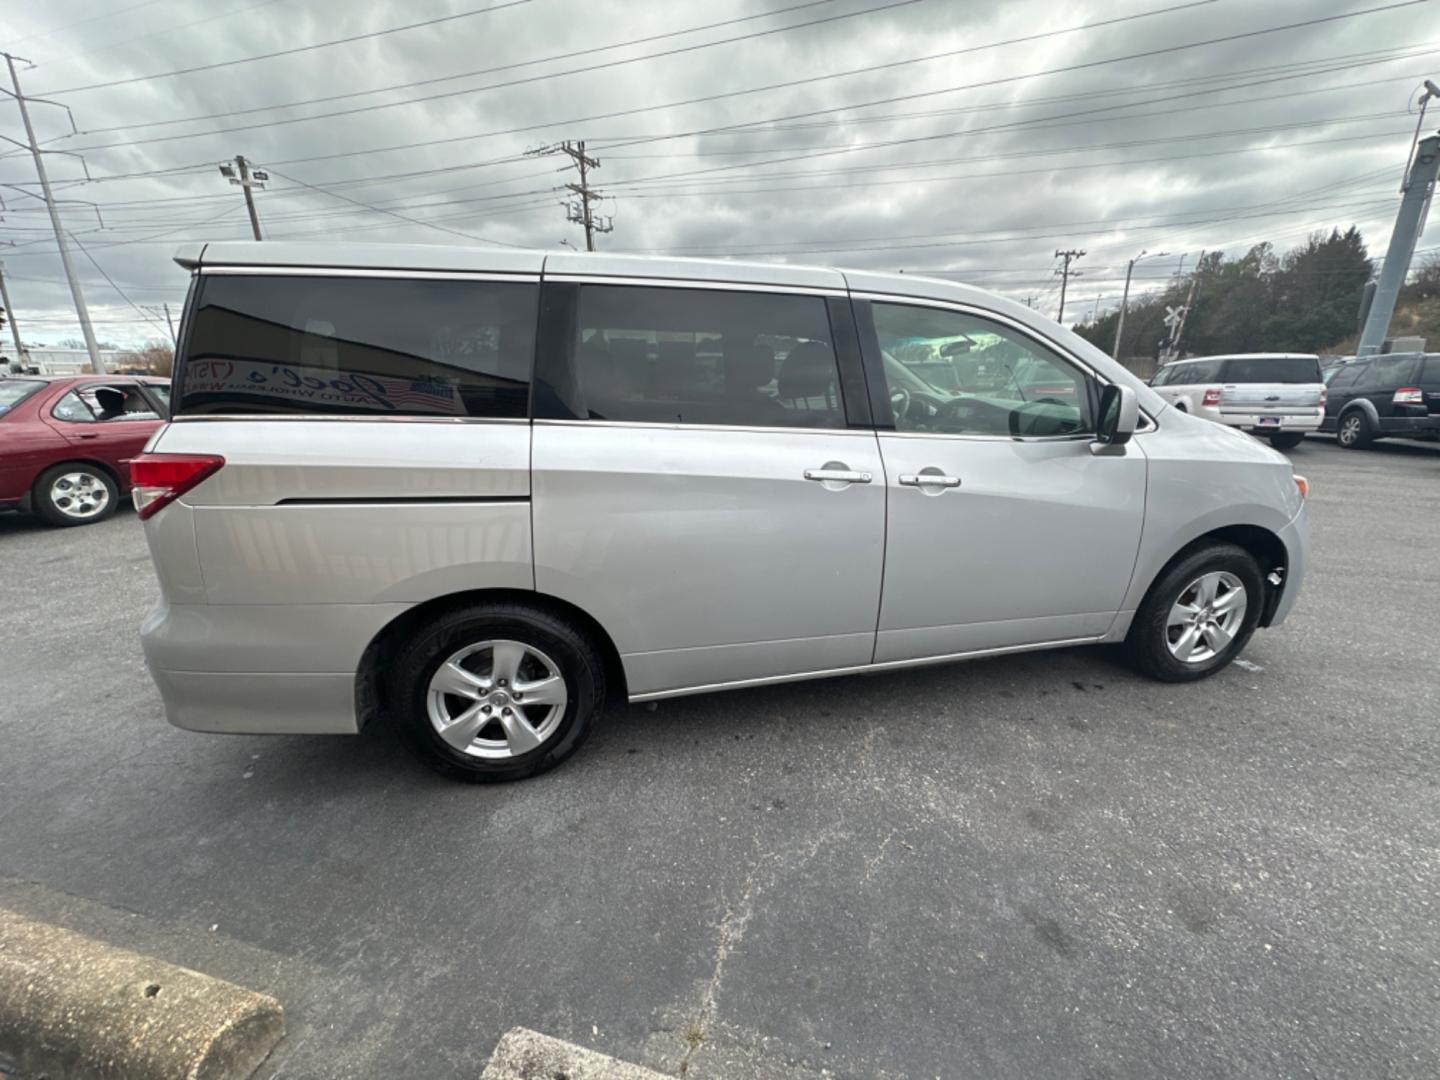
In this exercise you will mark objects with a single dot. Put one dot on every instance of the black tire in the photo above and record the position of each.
(1287, 440)
(1354, 431)
(571, 651)
(1147, 645)
(55, 507)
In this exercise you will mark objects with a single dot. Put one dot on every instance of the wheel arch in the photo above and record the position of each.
(1264, 545)
(1364, 405)
(373, 661)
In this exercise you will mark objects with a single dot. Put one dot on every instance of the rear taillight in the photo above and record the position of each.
(157, 480)
(1409, 395)
(1324, 395)
(1212, 396)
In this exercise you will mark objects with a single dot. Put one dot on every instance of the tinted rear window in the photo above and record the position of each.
(14, 391)
(359, 345)
(1273, 369)
(1390, 370)
(704, 356)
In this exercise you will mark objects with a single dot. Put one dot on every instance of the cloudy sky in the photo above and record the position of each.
(940, 136)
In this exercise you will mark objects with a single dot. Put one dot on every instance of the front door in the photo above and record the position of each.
(1003, 528)
(697, 487)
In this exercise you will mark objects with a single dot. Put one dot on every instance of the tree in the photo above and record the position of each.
(1305, 301)
(157, 358)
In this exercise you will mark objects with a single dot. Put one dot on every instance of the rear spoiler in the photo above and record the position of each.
(189, 256)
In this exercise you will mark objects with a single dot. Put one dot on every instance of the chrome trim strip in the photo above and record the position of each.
(1082, 437)
(866, 431)
(349, 418)
(858, 669)
(367, 272)
(693, 283)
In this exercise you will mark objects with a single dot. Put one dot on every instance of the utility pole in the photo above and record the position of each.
(1419, 184)
(7, 312)
(1069, 257)
(1125, 299)
(579, 210)
(241, 173)
(171, 323)
(82, 313)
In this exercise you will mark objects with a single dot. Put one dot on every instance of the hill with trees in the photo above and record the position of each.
(1307, 300)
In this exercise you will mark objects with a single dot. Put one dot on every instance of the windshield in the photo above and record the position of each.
(14, 391)
(1272, 369)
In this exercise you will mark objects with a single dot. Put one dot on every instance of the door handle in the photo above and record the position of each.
(929, 479)
(839, 476)
(88, 435)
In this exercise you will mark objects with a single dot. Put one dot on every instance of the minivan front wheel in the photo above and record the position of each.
(497, 691)
(1198, 615)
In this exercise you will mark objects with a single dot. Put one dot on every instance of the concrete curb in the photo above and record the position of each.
(522, 1054)
(73, 1006)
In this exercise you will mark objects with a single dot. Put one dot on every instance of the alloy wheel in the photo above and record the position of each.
(1206, 617)
(79, 495)
(496, 699)
(1350, 430)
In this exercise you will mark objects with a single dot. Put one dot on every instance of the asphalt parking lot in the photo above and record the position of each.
(1037, 866)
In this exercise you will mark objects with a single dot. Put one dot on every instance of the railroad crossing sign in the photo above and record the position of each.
(1174, 316)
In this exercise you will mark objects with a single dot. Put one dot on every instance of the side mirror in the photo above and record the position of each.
(1119, 417)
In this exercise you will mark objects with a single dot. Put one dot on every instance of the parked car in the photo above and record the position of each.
(478, 491)
(66, 444)
(1375, 396)
(1275, 396)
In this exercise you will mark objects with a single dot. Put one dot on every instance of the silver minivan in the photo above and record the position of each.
(481, 493)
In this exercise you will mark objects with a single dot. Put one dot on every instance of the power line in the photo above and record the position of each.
(111, 208)
(746, 127)
(519, 64)
(81, 22)
(393, 213)
(71, 56)
(291, 52)
(791, 83)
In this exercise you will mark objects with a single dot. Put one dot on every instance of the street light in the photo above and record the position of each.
(1125, 297)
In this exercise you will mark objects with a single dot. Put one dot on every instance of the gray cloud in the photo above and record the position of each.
(1015, 174)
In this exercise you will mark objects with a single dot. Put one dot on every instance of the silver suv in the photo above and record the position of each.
(483, 492)
(1275, 396)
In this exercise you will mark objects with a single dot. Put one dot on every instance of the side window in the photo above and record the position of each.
(1430, 375)
(1388, 371)
(72, 409)
(160, 392)
(1206, 371)
(1022, 388)
(1343, 376)
(91, 402)
(359, 345)
(703, 356)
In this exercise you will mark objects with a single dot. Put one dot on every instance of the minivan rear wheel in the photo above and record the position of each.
(1198, 616)
(497, 692)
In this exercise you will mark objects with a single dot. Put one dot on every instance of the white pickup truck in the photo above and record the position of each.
(1275, 396)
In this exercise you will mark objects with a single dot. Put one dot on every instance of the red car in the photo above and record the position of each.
(65, 444)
